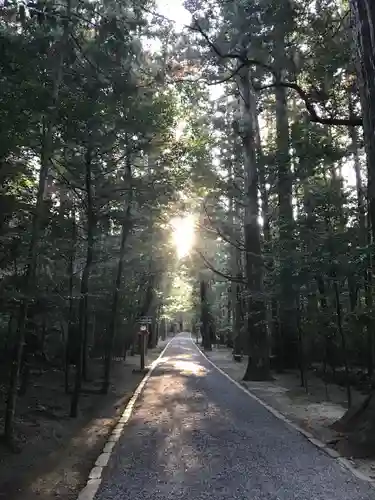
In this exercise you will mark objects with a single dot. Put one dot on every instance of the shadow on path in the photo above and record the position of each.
(195, 435)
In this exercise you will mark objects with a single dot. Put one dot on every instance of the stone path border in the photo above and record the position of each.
(95, 476)
(344, 462)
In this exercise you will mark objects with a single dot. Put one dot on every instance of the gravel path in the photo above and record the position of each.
(194, 435)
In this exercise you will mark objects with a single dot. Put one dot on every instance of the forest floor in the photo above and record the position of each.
(314, 411)
(58, 452)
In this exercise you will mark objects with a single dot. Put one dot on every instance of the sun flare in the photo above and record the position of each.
(183, 234)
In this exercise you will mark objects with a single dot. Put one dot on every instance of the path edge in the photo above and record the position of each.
(96, 474)
(344, 462)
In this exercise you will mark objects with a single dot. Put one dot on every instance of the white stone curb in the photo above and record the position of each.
(95, 476)
(345, 463)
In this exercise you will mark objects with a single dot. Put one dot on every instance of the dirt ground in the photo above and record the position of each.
(57, 452)
(314, 411)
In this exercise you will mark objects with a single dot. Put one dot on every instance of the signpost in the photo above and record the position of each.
(143, 333)
(145, 320)
(198, 327)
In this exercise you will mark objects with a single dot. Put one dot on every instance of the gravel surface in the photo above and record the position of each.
(194, 435)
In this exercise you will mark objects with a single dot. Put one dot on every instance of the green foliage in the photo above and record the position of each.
(83, 99)
(318, 253)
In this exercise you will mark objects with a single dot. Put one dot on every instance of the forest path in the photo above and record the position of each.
(195, 435)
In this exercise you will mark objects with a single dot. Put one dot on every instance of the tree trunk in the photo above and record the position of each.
(365, 238)
(287, 307)
(235, 266)
(20, 338)
(205, 326)
(359, 423)
(115, 300)
(288, 351)
(83, 301)
(343, 339)
(238, 318)
(71, 300)
(301, 346)
(30, 275)
(258, 363)
(272, 307)
(231, 286)
(125, 230)
(363, 21)
(360, 419)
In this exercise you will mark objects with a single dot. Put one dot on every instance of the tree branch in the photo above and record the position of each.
(237, 244)
(215, 230)
(246, 62)
(234, 279)
(354, 121)
(233, 73)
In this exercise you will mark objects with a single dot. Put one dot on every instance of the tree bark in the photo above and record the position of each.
(365, 238)
(125, 230)
(71, 300)
(363, 21)
(288, 352)
(115, 301)
(205, 326)
(83, 301)
(272, 306)
(287, 307)
(235, 266)
(258, 367)
(360, 418)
